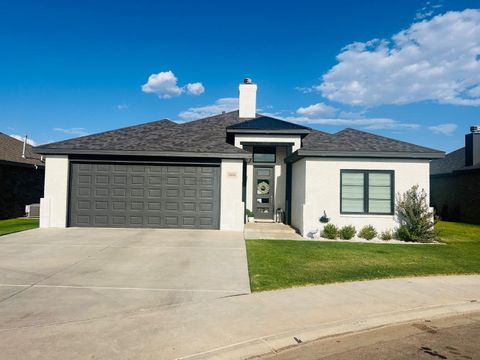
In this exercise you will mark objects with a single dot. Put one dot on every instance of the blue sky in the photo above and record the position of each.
(409, 70)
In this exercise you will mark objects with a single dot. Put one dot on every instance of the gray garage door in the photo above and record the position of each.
(138, 195)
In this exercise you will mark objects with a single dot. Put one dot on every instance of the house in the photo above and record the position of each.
(21, 177)
(205, 173)
(455, 180)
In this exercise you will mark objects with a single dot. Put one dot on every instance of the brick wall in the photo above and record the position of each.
(456, 197)
(19, 186)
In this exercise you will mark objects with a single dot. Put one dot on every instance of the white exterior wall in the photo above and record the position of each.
(231, 205)
(322, 190)
(280, 166)
(279, 180)
(258, 138)
(298, 194)
(53, 206)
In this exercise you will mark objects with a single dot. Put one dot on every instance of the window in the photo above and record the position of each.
(264, 154)
(366, 192)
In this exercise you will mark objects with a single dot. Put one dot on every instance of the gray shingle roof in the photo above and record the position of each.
(11, 150)
(451, 162)
(138, 137)
(209, 136)
(267, 123)
(201, 136)
(356, 140)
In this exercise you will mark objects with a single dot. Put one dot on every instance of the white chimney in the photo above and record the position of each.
(247, 99)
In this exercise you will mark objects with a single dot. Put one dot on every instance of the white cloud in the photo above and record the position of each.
(122, 106)
(223, 104)
(319, 109)
(195, 88)
(429, 9)
(164, 84)
(305, 90)
(72, 131)
(21, 138)
(444, 129)
(433, 60)
(322, 114)
(365, 123)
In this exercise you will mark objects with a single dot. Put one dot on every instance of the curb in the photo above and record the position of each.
(273, 343)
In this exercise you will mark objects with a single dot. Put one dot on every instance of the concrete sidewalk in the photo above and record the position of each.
(243, 326)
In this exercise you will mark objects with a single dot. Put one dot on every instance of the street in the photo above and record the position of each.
(448, 338)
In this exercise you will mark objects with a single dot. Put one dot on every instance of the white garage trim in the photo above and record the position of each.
(53, 206)
(231, 205)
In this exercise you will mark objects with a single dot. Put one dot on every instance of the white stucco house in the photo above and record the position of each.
(204, 174)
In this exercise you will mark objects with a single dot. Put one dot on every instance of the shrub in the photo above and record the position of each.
(386, 235)
(347, 232)
(249, 213)
(402, 233)
(368, 232)
(330, 231)
(416, 219)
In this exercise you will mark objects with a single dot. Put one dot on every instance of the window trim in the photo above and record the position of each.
(366, 191)
(274, 153)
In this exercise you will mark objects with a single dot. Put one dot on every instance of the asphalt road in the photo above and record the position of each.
(448, 338)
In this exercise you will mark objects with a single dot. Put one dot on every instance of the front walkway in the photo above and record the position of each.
(241, 326)
(270, 231)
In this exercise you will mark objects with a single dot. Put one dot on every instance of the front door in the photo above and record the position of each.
(263, 189)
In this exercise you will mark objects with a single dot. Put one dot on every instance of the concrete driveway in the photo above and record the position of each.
(60, 275)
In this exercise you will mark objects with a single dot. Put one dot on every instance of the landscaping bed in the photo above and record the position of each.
(277, 264)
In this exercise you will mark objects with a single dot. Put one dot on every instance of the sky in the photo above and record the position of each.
(404, 69)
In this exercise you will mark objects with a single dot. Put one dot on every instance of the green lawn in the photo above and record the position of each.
(14, 225)
(277, 264)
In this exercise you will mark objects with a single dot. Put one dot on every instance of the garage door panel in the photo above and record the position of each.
(84, 205)
(138, 195)
(154, 206)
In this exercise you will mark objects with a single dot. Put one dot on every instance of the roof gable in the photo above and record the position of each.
(265, 123)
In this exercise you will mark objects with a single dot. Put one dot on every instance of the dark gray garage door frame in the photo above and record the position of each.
(144, 193)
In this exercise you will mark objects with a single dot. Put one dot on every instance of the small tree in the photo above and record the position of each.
(416, 219)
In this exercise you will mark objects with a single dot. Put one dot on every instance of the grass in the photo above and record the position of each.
(14, 225)
(277, 264)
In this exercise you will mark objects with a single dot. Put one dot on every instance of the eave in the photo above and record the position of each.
(224, 155)
(269, 132)
(297, 155)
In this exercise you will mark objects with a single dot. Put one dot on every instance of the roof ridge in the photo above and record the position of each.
(382, 136)
(282, 120)
(110, 131)
(208, 117)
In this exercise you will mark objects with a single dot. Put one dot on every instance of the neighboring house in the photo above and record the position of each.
(21, 178)
(455, 182)
(203, 174)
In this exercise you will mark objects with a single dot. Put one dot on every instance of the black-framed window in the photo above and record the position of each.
(264, 154)
(367, 191)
